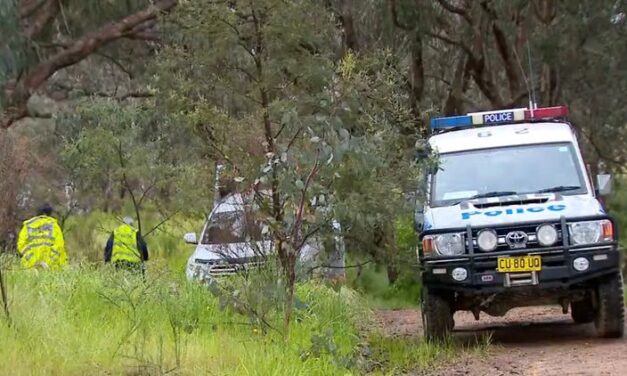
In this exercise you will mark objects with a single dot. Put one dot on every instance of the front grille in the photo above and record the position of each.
(224, 267)
(529, 230)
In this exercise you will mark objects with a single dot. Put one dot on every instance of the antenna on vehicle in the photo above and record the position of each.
(530, 88)
(533, 103)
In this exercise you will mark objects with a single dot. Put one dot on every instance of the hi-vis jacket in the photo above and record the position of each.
(126, 245)
(40, 243)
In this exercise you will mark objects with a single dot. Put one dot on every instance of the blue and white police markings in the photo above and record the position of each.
(499, 117)
(510, 211)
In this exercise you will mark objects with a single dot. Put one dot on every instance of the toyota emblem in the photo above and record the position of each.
(516, 239)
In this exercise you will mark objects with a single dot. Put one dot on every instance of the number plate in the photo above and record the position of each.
(519, 264)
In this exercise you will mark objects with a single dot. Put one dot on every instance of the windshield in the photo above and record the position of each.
(231, 227)
(507, 171)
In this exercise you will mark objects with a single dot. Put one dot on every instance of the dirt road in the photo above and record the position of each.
(527, 341)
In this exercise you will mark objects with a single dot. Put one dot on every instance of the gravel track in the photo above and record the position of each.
(527, 341)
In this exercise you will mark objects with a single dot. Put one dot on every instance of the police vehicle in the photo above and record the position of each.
(512, 218)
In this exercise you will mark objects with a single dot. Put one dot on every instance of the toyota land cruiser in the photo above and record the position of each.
(512, 219)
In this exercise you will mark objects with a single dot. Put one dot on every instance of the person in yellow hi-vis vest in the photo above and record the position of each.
(126, 248)
(40, 241)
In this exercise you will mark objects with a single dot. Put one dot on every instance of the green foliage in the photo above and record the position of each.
(399, 355)
(112, 151)
(372, 279)
(87, 234)
(325, 138)
(617, 207)
(86, 320)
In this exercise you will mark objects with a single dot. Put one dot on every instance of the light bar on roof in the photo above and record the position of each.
(499, 117)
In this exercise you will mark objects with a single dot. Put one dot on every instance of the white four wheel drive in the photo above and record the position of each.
(512, 219)
(232, 241)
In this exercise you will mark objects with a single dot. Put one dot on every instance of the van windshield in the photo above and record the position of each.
(542, 168)
(231, 227)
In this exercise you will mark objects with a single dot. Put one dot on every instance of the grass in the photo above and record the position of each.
(91, 319)
(399, 355)
(86, 236)
(88, 320)
(373, 283)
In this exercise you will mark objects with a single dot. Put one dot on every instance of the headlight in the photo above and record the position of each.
(591, 232)
(547, 235)
(449, 244)
(487, 240)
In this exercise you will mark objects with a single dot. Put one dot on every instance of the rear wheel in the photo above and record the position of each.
(437, 315)
(582, 311)
(610, 314)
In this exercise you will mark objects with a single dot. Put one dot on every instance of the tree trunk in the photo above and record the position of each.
(392, 272)
(9, 189)
(350, 39)
(289, 298)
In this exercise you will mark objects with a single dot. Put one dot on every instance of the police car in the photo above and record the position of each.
(512, 219)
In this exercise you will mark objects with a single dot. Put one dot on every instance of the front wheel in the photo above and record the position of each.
(437, 316)
(610, 314)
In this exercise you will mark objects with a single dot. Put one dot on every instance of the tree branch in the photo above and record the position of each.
(161, 223)
(451, 41)
(19, 91)
(301, 206)
(39, 16)
(128, 187)
(28, 7)
(454, 9)
(505, 51)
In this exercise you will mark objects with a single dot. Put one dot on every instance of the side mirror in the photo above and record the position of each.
(190, 238)
(604, 184)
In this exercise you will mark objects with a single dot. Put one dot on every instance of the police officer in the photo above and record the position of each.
(40, 241)
(126, 248)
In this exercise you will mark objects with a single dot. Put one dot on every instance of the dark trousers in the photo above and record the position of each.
(135, 267)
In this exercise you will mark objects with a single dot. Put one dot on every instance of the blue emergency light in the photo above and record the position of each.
(499, 117)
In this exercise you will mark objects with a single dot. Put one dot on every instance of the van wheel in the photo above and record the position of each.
(610, 315)
(582, 311)
(437, 316)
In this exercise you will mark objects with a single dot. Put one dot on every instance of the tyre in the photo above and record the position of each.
(437, 316)
(582, 311)
(610, 315)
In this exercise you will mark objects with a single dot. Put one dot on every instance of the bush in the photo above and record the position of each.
(372, 279)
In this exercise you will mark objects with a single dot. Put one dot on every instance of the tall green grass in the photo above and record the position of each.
(86, 236)
(87, 320)
(93, 319)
